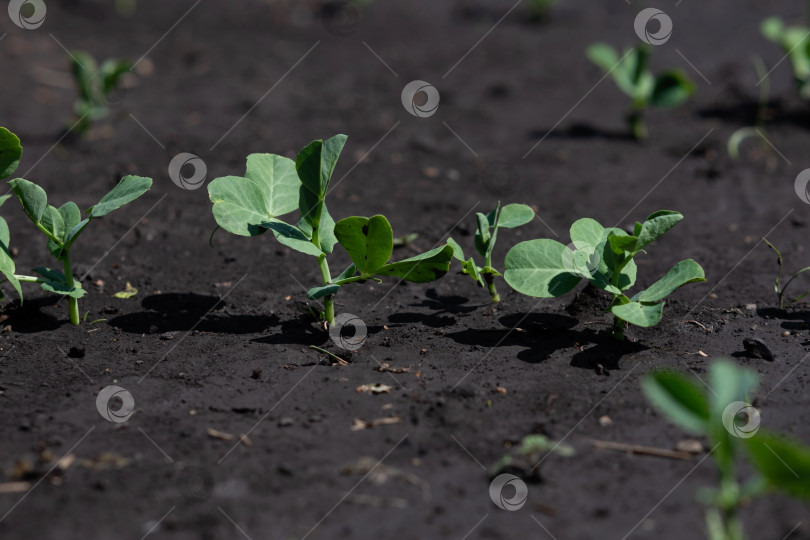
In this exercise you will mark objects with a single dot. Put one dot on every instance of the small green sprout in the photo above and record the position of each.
(633, 77)
(781, 290)
(508, 217)
(524, 459)
(723, 415)
(794, 43)
(546, 268)
(95, 84)
(275, 185)
(63, 226)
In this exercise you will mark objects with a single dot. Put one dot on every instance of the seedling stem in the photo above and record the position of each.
(73, 303)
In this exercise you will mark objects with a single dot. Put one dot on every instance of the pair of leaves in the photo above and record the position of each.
(63, 225)
(631, 74)
(95, 83)
(782, 462)
(509, 217)
(369, 243)
(546, 268)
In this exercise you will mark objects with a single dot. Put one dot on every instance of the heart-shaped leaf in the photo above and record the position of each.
(368, 241)
(515, 215)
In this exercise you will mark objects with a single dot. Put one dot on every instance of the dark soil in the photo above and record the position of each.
(217, 337)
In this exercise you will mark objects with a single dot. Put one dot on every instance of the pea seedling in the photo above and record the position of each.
(508, 217)
(546, 268)
(275, 185)
(794, 43)
(95, 85)
(63, 226)
(781, 290)
(633, 77)
(723, 416)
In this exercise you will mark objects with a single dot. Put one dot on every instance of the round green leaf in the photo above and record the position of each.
(537, 268)
(10, 153)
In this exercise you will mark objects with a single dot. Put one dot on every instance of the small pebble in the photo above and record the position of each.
(285, 422)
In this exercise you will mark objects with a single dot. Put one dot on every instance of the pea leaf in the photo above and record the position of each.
(277, 179)
(587, 232)
(672, 88)
(515, 215)
(33, 198)
(292, 237)
(315, 165)
(687, 271)
(127, 190)
(57, 283)
(639, 313)
(10, 153)
(239, 205)
(423, 268)
(319, 292)
(680, 400)
(471, 269)
(368, 241)
(537, 268)
(7, 266)
(655, 226)
(783, 462)
(458, 252)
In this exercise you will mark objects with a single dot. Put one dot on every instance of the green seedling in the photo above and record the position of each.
(538, 10)
(95, 85)
(722, 414)
(794, 43)
(274, 186)
(632, 75)
(63, 226)
(781, 290)
(508, 217)
(758, 129)
(546, 268)
(525, 458)
(10, 155)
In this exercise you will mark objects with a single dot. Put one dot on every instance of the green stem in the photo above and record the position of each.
(73, 303)
(618, 328)
(329, 300)
(636, 120)
(28, 279)
(493, 292)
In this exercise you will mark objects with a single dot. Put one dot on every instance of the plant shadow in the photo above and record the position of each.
(443, 309)
(583, 131)
(28, 317)
(790, 319)
(170, 312)
(543, 334)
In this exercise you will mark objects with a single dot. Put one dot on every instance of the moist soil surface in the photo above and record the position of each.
(215, 344)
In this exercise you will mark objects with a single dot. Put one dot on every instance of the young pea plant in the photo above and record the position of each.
(633, 77)
(508, 217)
(781, 290)
(794, 43)
(275, 185)
(95, 84)
(545, 268)
(731, 426)
(63, 226)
